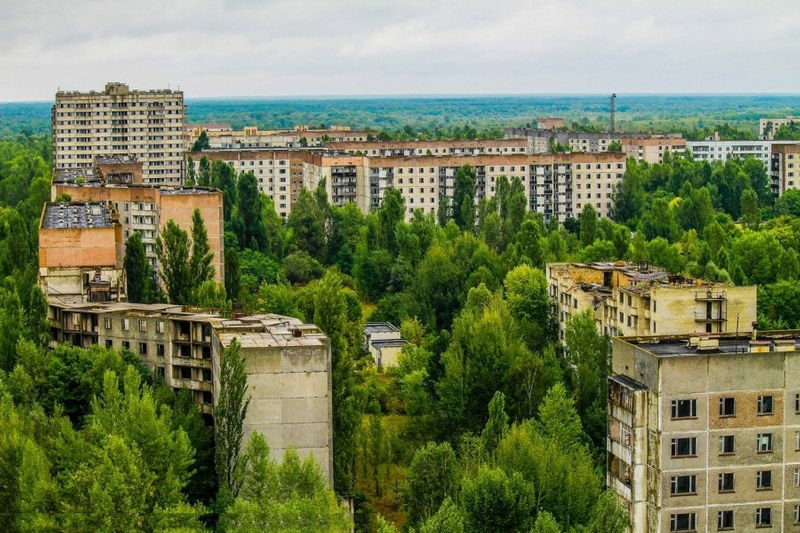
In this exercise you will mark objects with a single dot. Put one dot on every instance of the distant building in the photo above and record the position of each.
(558, 186)
(81, 251)
(637, 299)
(431, 147)
(288, 363)
(147, 125)
(652, 150)
(196, 129)
(704, 431)
(384, 342)
(550, 123)
(251, 137)
(715, 150)
(768, 126)
(785, 167)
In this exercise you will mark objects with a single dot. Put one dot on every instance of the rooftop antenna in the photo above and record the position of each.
(613, 110)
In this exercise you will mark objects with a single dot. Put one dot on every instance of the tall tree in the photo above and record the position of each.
(201, 143)
(138, 271)
(588, 224)
(173, 251)
(308, 225)
(253, 235)
(432, 477)
(204, 172)
(464, 198)
(223, 177)
(390, 214)
(191, 172)
(229, 413)
(751, 216)
(200, 264)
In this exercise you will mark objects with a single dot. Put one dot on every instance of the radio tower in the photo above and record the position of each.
(613, 110)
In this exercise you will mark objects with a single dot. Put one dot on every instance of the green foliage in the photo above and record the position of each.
(201, 143)
(432, 477)
(138, 271)
(494, 501)
(464, 198)
(200, 266)
(229, 413)
(173, 251)
(448, 519)
(290, 497)
(497, 425)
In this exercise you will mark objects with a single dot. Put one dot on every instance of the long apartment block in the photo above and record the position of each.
(221, 137)
(147, 125)
(288, 363)
(558, 186)
(640, 299)
(704, 431)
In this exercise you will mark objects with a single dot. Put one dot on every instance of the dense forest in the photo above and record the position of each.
(697, 115)
(487, 424)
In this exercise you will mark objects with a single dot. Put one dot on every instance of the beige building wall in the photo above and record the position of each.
(656, 377)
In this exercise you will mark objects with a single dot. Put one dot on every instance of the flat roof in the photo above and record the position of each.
(71, 175)
(379, 327)
(379, 343)
(76, 215)
(692, 345)
(115, 160)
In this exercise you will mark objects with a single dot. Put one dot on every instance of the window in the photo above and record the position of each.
(142, 348)
(765, 405)
(207, 374)
(161, 372)
(764, 517)
(726, 482)
(125, 324)
(681, 485)
(796, 514)
(764, 443)
(126, 345)
(208, 398)
(683, 522)
(109, 343)
(159, 327)
(186, 372)
(797, 403)
(797, 440)
(724, 520)
(143, 325)
(107, 322)
(684, 447)
(160, 350)
(684, 408)
(727, 406)
(764, 480)
(727, 444)
(797, 477)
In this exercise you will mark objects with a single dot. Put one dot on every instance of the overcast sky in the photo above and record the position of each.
(361, 47)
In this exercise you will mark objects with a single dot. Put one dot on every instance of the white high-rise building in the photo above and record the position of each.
(148, 125)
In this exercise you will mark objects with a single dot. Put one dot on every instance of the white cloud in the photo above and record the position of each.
(244, 47)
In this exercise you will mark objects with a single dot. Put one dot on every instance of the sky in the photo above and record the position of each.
(372, 47)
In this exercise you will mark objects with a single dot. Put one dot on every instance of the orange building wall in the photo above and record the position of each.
(79, 247)
(180, 207)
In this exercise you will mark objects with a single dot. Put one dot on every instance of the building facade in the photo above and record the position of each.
(431, 147)
(81, 251)
(638, 299)
(250, 137)
(704, 432)
(768, 126)
(287, 363)
(147, 209)
(785, 167)
(716, 150)
(652, 150)
(147, 125)
(558, 186)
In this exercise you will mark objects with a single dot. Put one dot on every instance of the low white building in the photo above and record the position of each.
(715, 150)
(384, 342)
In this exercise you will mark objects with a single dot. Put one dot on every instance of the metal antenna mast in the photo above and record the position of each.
(613, 110)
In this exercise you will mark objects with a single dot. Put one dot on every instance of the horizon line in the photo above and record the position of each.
(433, 96)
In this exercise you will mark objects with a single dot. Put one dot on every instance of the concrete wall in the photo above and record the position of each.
(290, 405)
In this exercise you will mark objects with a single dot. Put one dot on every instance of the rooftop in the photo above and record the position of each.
(729, 343)
(72, 175)
(379, 327)
(115, 160)
(77, 215)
